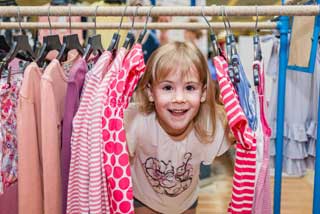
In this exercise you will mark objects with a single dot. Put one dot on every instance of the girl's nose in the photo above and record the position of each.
(179, 97)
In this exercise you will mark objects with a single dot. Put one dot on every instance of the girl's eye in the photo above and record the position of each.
(190, 88)
(167, 88)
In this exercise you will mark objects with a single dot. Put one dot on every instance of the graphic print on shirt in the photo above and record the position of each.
(165, 179)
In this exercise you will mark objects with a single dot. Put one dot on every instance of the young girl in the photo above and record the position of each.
(173, 125)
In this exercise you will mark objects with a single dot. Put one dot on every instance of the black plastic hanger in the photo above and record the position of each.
(94, 46)
(94, 42)
(3, 44)
(116, 36)
(143, 33)
(50, 42)
(70, 42)
(20, 44)
(4, 47)
(130, 38)
(216, 50)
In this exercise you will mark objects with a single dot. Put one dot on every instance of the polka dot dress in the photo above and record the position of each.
(115, 152)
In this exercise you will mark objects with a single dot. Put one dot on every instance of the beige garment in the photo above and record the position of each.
(30, 193)
(53, 90)
(301, 40)
(165, 173)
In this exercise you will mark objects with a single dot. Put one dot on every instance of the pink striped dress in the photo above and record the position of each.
(79, 176)
(245, 157)
(262, 201)
(116, 157)
(98, 180)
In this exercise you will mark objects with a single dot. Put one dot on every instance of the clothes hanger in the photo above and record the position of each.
(20, 44)
(4, 47)
(113, 46)
(70, 42)
(257, 52)
(50, 42)
(143, 33)
(232, 49)
(94, 42)
(130, 38)
(215, 46)
(3, 44)
(228, 48)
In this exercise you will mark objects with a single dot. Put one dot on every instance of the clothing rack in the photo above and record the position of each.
(127, 25)
(282, 25)
(287, 10)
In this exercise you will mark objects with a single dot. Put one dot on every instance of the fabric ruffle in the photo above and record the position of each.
(295, 150)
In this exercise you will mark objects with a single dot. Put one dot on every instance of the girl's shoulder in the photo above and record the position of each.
(133, 117)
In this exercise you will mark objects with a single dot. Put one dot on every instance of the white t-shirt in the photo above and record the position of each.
(165, 173)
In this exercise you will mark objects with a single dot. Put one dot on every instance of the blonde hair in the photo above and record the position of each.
(165, 60)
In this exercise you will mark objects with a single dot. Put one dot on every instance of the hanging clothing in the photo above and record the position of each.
(95, 135)
(9, 95)
(78, 201)
(262, 200)
(245, 163)
(72, 100)
(123, 80)
(295, 137)
(53, 87)
(246, 98)
(312, 121)
(29, 138)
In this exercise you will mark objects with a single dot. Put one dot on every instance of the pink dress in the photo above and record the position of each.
(78, 186)
(245, 157)
(115, 154)
(262, 202)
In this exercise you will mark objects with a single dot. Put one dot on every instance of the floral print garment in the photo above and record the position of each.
(8, 126)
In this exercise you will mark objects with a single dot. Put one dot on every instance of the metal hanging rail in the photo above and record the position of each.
(287, 10)
(283, 25)
(127, 25)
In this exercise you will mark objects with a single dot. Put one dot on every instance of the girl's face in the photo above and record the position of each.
(177, 100)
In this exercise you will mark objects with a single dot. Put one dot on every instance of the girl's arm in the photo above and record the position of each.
(130, 125)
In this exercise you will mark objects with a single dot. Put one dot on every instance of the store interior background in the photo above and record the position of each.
(215, 190)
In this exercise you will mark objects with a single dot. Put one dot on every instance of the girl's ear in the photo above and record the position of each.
(204, 94)
(149, 92)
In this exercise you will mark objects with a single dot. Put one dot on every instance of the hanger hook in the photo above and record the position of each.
(70, 19)
(49, 21)
(227, 19)
(134, 16)
(148, 16)
(19, 19)
(223, 18)
(257, 17)
(95, 20)
(205, 18)
(124, 11)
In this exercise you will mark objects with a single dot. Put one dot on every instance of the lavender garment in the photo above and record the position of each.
(72, 101)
